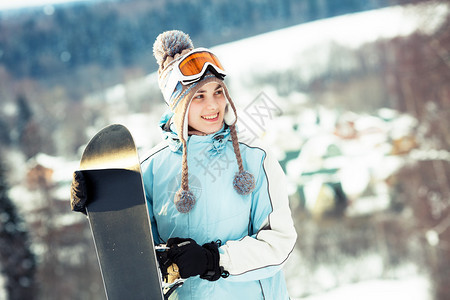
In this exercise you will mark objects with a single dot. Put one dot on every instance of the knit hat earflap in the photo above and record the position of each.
(170, 48)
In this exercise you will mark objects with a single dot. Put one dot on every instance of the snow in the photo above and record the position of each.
(17, 4)
(2, 288)
(431, 154)
(59, 165)
(355, 279)
(411, 288)
(432, 237)
(307, 45)
(306, 48)
(144, 127)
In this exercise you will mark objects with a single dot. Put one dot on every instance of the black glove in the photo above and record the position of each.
(193, 259)
(78, 193)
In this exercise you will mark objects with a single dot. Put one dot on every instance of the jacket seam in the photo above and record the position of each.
(143, 161)
(262, 289)
(152, 154)
(266, 266)
(250, 225)
(268, 186)
(270, 196)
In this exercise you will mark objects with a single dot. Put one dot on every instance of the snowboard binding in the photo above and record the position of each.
(170, 274)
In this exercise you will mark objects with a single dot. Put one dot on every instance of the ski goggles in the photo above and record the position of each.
(191, 68)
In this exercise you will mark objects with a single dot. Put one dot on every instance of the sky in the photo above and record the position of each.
(14, 4)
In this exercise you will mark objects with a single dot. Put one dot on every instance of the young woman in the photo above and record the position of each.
(219, 204)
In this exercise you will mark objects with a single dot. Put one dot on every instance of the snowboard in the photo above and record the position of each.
(118, 216)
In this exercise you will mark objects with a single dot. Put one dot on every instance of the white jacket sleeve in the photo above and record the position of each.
(263, 254)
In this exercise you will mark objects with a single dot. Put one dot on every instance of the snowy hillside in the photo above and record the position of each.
(304, 47)
(364, 148)
(408, 288)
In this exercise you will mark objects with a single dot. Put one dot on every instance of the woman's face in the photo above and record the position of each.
(207, 108)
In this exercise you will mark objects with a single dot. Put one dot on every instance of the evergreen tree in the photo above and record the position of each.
(29, 134)
(24, 114)
(5, 135)
(17, 263)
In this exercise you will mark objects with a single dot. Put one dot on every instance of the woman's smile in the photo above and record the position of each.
(213, 117)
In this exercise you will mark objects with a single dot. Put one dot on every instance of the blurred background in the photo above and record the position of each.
(353, 97)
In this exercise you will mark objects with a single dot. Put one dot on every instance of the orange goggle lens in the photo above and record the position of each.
(193, 64)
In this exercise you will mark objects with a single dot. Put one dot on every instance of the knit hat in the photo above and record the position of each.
(169, 48)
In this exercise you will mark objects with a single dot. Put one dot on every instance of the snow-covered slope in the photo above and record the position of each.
(306, 46)
(411, 288)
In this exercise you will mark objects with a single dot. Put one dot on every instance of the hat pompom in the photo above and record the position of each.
(170, 43)
(184, 201)
(244, 183)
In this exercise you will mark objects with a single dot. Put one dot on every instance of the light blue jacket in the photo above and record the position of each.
(256, 231)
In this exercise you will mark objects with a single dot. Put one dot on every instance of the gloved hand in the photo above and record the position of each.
(193, 259)
(78, 193)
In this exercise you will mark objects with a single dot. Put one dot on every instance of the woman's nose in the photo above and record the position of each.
(211, 103)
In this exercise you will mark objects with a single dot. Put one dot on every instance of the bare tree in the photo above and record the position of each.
(417, 74)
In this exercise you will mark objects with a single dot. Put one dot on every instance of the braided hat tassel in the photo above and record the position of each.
(244, 181)
(184, 199)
